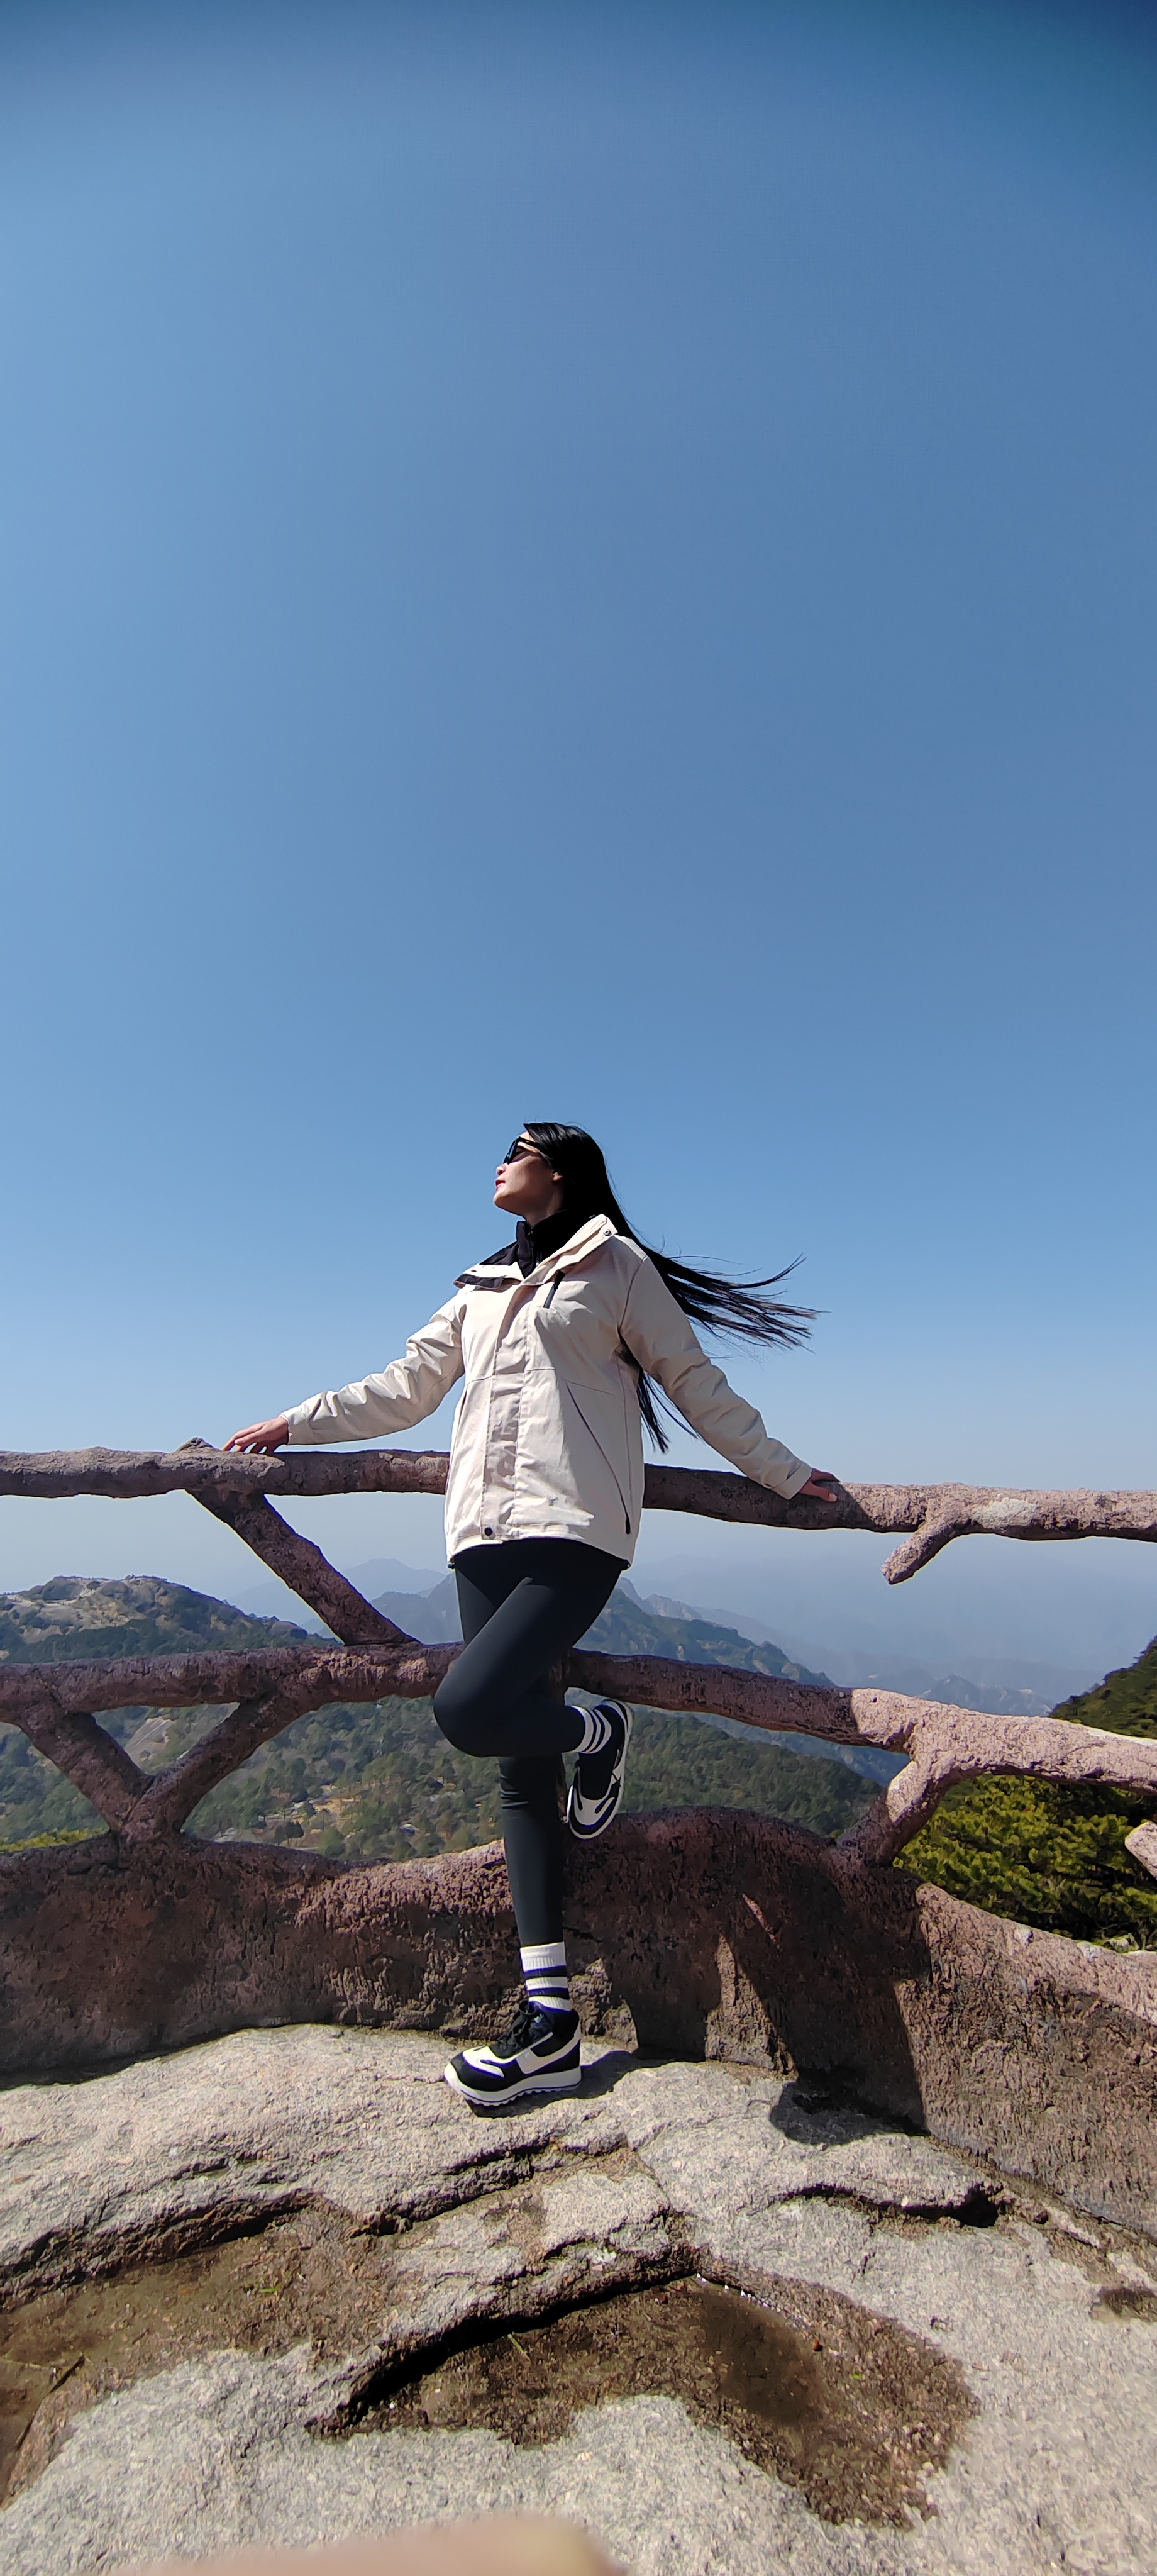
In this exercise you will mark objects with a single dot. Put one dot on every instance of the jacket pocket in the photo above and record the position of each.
(589, 1403)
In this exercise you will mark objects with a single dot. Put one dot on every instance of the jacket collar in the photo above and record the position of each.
(598, 1229)
(506, 1275)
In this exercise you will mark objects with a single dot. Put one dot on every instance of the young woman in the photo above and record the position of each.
(563, 1338)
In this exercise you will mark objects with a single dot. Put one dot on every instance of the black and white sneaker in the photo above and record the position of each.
(540, 2054)
(597, 1788)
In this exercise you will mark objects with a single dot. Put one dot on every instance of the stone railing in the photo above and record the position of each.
(57, 1706)
(703, 1933)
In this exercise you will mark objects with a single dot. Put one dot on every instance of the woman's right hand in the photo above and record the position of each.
(261, 1435)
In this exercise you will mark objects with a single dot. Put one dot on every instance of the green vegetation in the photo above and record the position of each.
(380, 1782)
(374, 1782)
(1049, 1855)
(681, 1762)
(1125, 1702)
(76, 1618)
(37, 1804)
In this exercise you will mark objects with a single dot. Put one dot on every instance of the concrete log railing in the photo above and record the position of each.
(56, 1705)
(930, 1516)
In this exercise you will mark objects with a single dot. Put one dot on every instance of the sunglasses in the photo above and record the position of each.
(517, 1152)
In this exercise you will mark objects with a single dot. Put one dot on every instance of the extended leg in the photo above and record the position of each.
(535, 1840)
(522, 1607)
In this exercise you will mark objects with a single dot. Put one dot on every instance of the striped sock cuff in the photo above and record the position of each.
(544, 1969)
(596, 1730)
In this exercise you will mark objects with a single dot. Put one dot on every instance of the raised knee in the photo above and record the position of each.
(455, 1714)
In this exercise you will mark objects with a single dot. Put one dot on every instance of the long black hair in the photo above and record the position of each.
(738, 1308)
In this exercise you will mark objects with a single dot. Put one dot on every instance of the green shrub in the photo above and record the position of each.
(1049, 1855)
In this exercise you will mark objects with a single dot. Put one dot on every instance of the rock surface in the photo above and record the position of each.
(451, 2222)
(698, 1934)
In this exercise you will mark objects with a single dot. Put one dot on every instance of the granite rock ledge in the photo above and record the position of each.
(1039, 2321)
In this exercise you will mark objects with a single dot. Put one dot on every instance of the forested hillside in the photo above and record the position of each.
(76, 1618)
(380, 1781)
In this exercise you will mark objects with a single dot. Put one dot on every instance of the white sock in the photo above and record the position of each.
(544, 1969)
(596, 1730)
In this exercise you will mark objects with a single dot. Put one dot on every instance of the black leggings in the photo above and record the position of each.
(522, 1605)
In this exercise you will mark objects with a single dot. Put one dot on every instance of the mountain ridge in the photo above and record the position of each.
(77, 1616)
(378, 1781)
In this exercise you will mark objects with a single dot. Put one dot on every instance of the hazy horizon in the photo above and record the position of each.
(1004, 1613)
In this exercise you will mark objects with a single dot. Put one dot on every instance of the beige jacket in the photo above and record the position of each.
(548, 1438)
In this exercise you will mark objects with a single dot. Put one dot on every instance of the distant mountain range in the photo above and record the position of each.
(380, 1782)
(424, 1603)
(148, 1613)
(631, 1626)
(628, 1626)
(656, 1624)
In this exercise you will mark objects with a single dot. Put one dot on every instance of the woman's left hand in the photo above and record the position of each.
(821, 1487)
(264, 1437)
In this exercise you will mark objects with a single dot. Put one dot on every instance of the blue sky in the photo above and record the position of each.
(599, 563)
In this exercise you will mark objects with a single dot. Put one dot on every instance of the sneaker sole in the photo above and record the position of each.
(590, 1833)
(563, 2079)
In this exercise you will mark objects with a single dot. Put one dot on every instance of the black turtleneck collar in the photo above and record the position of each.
(534, 1243)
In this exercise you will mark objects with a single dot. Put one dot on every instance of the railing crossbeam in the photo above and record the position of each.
(56, 1706)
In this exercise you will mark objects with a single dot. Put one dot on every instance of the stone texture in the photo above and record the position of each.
(165, 2151)
(934, 1514)
(698, 1934)
(504, 2215)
